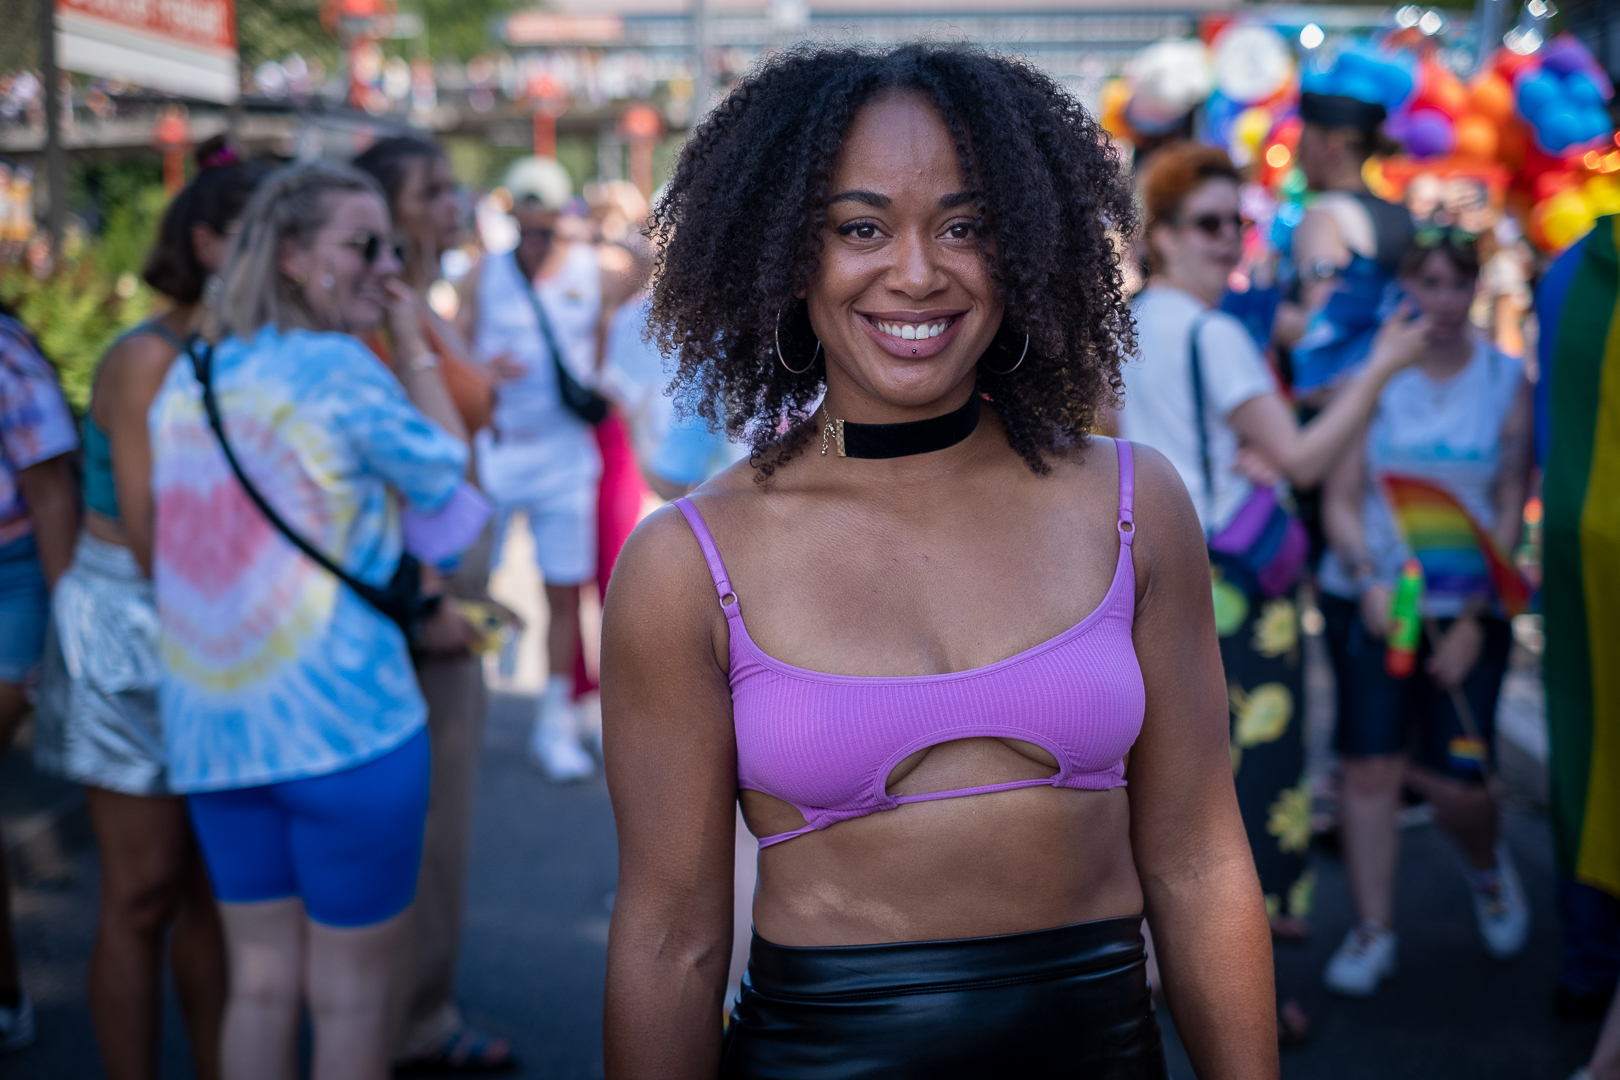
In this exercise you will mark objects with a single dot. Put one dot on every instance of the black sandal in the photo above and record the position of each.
(463, 1053)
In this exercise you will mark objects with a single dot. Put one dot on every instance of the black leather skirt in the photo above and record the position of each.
(1067, 1002)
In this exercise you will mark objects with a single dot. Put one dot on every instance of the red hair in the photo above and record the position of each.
(1172, 174)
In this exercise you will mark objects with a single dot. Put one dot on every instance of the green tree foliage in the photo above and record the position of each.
(461, 29)
(75, 313)
(456, 29)
(271, 29)
(94, 292)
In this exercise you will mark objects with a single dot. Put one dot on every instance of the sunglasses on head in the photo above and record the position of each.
(371, 246)
(1433, 236)
(1214, 224)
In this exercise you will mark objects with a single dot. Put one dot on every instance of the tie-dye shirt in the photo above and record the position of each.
(35, 424)
(275, 670)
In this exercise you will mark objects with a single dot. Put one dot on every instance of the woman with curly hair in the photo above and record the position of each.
(956, 657)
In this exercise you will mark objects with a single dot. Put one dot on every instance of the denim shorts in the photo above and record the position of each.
(1380, 714)
(25, 607)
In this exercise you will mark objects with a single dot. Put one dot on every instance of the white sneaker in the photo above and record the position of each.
(17, 1025)
(1366, 958)
(554, 741)
(1501, 908)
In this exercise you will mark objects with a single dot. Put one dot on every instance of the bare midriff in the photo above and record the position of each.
(998, 863)
(104, 528)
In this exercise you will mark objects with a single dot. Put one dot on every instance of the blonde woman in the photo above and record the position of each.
(293, 720)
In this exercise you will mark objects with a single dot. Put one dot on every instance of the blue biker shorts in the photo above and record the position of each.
(347, 843)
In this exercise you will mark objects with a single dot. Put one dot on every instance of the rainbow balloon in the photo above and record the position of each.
(1459, 558)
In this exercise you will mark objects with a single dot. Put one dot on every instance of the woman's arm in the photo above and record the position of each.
(1306, 454)
(1343, 497)
(1203, 897)
(672, 772)
(53, 506)
(466, 320)
(1512, 487)
(129, 381)
(416, 365)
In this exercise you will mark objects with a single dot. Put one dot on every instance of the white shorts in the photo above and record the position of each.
(554, 483)
(563, 524)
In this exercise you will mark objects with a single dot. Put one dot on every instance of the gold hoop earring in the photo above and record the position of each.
(777, 334)
(1014, 368)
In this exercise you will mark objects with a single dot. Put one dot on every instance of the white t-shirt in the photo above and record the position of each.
(1158, 409)
(1448, 433)
(535, 448)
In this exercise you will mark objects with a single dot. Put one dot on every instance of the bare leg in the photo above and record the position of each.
(562, 633)
(197, 962)
(347, 985)
(1370, 792)
(1466, 812)
(146, 851)
(13, 702)
(266, 944)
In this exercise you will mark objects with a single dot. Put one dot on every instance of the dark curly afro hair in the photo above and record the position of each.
(740, 227)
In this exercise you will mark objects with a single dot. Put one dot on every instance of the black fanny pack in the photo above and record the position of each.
(401, 600)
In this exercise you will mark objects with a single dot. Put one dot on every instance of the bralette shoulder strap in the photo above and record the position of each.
(711, 555)
(1127, 491)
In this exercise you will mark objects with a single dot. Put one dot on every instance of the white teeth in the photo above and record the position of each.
(914, 331)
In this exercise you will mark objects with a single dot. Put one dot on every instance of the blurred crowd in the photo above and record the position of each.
(247, 591)
(316, 377)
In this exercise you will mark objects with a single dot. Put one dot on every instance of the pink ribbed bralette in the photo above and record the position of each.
(827, 743)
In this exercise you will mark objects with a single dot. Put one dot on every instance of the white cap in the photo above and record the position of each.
(538, 178)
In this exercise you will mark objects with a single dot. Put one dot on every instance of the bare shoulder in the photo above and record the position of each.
(138, 356)
(1169, 541)
(1161, 495)
(1318, 235)
(661, 574)
(662, 550)
(131, 374)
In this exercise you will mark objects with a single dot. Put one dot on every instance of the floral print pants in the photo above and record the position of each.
(1265, 685)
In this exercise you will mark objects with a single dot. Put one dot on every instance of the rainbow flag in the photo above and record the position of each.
(1459, 558)
(1581, 562)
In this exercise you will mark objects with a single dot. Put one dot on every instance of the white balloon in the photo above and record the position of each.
(1169, 79)
(1251, 63)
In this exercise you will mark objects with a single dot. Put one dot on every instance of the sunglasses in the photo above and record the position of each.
(371, 246)
(1433, 236)
(1213, 225)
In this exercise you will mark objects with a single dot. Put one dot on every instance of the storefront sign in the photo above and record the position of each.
(185, 47)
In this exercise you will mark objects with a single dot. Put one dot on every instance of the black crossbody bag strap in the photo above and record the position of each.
(1198, 415)
(385, 603)
(580, 399)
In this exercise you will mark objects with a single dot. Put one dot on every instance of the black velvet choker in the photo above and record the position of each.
(900, 440)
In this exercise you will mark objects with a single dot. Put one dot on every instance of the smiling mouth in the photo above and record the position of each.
(908, 331)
